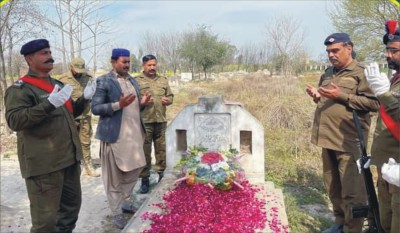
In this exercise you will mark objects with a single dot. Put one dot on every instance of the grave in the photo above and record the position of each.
(216, 125)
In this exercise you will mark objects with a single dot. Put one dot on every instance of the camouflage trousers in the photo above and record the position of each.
(155, 132)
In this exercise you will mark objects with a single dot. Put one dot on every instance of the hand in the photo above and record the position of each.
(330, 93)
(165, 100)
(378, 82)
(126, 100)
(313, 92)
(90, 89)
(58, 97)
(366, 164)
(391, 172)
(146, 99)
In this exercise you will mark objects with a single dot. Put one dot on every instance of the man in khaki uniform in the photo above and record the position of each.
(154, 117)
(342, 88)
(386, 143)
(78, 78)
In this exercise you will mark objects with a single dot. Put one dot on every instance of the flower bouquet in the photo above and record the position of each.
(217, 169)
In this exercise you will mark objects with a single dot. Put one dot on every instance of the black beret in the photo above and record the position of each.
(392, 32)
(34, 45)
(337, 38)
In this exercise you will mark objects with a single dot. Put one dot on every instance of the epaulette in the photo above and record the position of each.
(18, 83)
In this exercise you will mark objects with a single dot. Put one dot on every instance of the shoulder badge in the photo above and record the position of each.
(19, 83)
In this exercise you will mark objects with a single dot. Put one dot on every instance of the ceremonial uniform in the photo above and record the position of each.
(49, 152)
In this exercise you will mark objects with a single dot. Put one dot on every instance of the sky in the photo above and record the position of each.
(239, 22)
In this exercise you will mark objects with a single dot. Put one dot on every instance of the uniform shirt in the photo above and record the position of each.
(158, 87)
(47, 138)
(78, 85)
(385, 145)
(333, 126)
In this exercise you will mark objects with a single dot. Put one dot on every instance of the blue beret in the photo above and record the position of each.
(33, 46)
(116, 53)
(337, 38)
(392, 32)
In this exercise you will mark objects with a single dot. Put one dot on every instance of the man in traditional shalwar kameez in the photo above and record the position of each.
(121, 131)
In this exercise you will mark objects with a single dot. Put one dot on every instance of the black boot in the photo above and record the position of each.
(160, 176)
(144, 188)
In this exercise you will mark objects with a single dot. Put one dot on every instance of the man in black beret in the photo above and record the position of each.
(40, 110)
(385, 147)
(341, 89)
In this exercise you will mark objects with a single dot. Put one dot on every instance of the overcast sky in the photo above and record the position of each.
(239, 22)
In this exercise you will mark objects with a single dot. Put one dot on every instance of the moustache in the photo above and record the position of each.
(51, 60)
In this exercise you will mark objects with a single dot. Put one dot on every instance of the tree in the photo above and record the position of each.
(18, 20)
(80, 24)
(287, 37)
(202, 48)
(364, 22)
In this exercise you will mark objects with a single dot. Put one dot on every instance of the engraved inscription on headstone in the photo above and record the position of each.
(213, 131)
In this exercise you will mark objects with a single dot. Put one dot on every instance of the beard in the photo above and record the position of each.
(393, 64)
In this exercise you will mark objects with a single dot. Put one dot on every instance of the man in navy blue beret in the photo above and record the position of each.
(34, 46)
(121, 133)
(39, 108)
(342, 88)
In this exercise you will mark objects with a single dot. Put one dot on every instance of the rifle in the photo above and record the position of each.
(373, 205)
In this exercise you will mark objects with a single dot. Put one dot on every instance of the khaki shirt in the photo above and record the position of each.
(78, 85)
(158, 87)
(333, 126)
(385, 145)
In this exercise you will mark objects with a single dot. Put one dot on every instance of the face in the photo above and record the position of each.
(339, 54)
(40, 61)
(76, 74)
(150, 68)
(392, 55)
(121, 65)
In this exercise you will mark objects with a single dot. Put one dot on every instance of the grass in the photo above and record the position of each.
(286, 112)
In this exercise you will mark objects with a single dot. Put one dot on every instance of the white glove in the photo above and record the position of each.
(90, 89)
(391, 172)
(58, 97)
(366, 165)
(377, 82)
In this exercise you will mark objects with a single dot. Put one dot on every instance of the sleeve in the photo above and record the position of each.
(362, 99)
(100, 103)
(24, 110)
(169, 94)
(391, 103)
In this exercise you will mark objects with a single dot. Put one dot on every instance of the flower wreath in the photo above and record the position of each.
(217, 169)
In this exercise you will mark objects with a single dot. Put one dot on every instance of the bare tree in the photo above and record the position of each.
(287, 37)
(80, 25)
(18, 20)
(165, 46)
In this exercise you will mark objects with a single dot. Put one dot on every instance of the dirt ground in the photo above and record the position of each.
(94, 216)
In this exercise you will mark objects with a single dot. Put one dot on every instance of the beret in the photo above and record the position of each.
(337, 38)
(118, 52)
(392, 32)
(34, 46)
